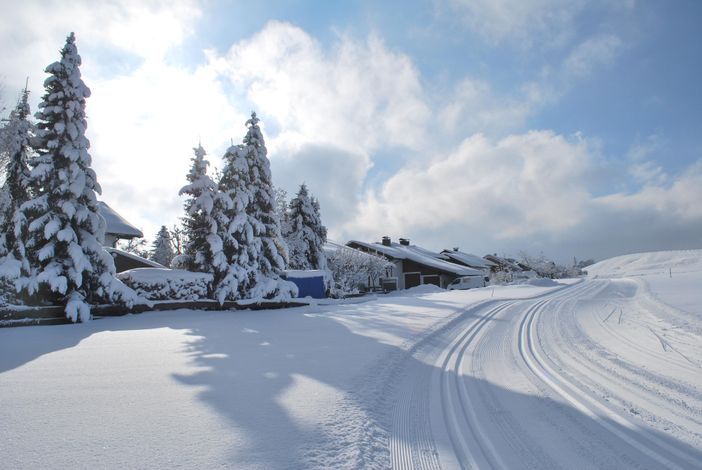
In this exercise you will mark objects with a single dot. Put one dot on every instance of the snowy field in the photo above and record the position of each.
(598, 373)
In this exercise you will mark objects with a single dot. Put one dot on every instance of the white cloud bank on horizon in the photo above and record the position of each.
(331, 112)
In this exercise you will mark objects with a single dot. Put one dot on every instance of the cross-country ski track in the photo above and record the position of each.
(589, 375)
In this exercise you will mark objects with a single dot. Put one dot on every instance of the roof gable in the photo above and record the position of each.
(115, 224)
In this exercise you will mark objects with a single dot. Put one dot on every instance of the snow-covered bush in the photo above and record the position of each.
(180, 262)
(167, 284)
(501, 277)
(354, 270)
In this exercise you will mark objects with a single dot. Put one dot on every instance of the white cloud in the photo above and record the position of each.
(142, 128)
(592, 53)
(473, 107)
(354, 95)
(32, 32)
(524, 185)
(548, 22)
(680, 200)
(332, 174)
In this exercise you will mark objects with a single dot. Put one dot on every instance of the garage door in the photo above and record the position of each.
(431, 279)
(412, 280)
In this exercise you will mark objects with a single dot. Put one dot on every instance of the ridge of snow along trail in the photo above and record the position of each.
(602, 372)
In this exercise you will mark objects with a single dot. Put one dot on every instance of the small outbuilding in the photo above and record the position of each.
(310, 283)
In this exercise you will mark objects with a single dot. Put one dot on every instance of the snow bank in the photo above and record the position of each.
(167, 284)
(542, 282)
(422, 289)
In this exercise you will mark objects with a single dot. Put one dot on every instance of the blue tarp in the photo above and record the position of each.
(309, 283)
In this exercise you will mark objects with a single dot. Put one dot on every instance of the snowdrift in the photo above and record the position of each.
(648, 263)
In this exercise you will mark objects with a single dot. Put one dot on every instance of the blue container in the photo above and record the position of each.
(309, 283)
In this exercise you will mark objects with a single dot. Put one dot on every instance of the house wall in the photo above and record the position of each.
(412, 266)
(110, 240)
(396, 274)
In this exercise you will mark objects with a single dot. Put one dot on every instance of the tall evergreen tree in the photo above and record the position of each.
(13, 194)
(203, 247)
(270, 248)
(65, 230)
(307, 235)
(162, 248)
(237, 233)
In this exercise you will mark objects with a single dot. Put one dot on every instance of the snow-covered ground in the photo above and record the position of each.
(603, 373)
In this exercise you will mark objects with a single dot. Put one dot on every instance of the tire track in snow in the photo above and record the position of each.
(651, 446)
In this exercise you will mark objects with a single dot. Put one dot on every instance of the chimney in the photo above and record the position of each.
(386, 241)
(455, 248)
(404, 241)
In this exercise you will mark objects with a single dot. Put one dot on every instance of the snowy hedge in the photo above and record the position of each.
(167, 284)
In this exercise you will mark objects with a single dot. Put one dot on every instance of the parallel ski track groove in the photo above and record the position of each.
(451, 383)
(585, 404)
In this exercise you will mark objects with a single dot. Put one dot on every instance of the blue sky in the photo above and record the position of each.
(571, 128)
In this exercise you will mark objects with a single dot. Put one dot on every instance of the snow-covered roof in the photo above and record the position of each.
(505, 262)
(116, 224)
(418, 255)
(134, 257)
(467, 259)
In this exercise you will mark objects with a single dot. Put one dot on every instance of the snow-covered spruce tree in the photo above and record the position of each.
(281, 205)
(17, 135)
(235, 228)
(270, 248)
(203, 248)
(321, 229)
(65, 230)
(162, 248)
(307, 234)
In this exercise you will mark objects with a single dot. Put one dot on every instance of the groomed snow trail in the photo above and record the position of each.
(588, 376)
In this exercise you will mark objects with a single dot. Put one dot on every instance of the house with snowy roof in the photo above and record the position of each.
(413, 265)
(467, 259)
(514, 268)
(117, 228)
